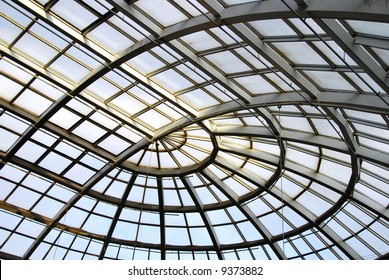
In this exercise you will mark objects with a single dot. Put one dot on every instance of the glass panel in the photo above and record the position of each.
(74, 13)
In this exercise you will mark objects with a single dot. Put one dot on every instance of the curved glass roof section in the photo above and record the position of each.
(212, 129)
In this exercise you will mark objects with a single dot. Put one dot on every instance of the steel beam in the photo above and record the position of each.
(204, 215)
(296, 206)
(207, 173)
(356, 52)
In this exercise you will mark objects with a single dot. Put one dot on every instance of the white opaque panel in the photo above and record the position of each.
(146, 62)
(218, 217)
(65, 118)
(296, 123)
(97, 224)
(313, 203)
(8, 31)
(74, 13)
(149, 234)
(172, 80)
(371, 117)
(9, 89)
(114, 144)
(8, 139)
(335, 53)
(48, 89)
(177, 236)
(110, 38)
(89, 131)
(309, 29)
(227, 62)
(103, 88)
(154, 118)
(35, 48)
(15, 70)
(325, 192)
(300, 53)
(304, 159)
(54, 162)
(273, 27)
(30, 151)
(130, 27)
(164, 8)
(249, 232)
(227, 234)
(281, 81)
(23, 198)
(289, 187)
(256, 84)
(69, 149)
(199, 99)
(342, 173)
(367, 190)
(69, 68)
(201, 41)
(79, 174)
(324, 127)
(274, 224)
(370, 27)
(48, 207)
(33, 102)
(200, 236)
(365, 129)
(365, 82)
(329, 80)
(17, 244)
(128, 104)
(50, 34)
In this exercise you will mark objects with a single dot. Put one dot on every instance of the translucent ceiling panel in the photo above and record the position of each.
(28, 98)
(96, 142)
(110, 38)
(8, 31)
(299, 53)
(201, 41)
(272, 27)
(370, 28)
(227, 62)
(164, 8)
(74, 13)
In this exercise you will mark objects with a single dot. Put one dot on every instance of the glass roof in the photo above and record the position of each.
(194, 129)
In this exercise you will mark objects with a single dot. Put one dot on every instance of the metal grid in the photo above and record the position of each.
(194, 129)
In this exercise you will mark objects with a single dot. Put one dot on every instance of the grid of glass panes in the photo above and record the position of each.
(56, 46)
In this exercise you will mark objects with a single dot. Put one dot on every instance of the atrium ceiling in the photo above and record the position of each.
(194, 129)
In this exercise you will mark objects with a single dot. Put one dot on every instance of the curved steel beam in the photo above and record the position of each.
(312, 219)
(207, 173)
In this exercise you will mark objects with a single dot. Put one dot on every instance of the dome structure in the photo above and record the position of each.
(194, 129)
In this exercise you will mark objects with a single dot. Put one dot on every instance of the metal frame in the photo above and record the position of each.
(303, 92)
